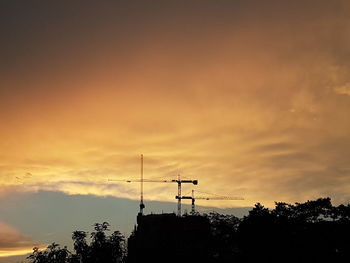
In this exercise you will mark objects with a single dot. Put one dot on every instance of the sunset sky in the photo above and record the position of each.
(250, 97)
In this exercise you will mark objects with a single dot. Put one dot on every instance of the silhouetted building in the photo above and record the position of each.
(169, 238)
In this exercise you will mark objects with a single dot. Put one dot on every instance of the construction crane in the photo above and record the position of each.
(213, 197)
(142, 180)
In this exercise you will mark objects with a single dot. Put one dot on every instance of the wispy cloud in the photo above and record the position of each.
(13, 243)
(345, 89)
(250, 99)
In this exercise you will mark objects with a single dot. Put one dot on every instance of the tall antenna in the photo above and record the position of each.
(178, 194)
(142, 206)
(193, 207)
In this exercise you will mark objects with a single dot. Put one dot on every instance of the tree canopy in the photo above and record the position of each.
(101, 248)
(313, 231)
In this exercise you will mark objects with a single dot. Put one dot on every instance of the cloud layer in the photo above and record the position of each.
(251, 99)
(12, 242)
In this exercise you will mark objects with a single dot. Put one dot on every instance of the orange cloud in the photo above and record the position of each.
(246, 102)
(13, 243)
(345, 89)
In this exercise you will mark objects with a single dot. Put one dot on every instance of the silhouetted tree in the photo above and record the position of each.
(223, 239)
(102, 248)
(81, 247)
(117, 243)
(313, 231)
(37, 256)
(53, 254)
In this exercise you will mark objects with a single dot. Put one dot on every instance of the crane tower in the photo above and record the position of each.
(179, 182)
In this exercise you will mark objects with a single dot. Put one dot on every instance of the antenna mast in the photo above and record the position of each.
(142, 206)
(178, 194)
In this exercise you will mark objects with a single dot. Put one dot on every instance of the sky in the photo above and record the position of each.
(251, 98)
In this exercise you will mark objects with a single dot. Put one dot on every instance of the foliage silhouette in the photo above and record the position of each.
(102, 248)
(313, 231)
(53, 254)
